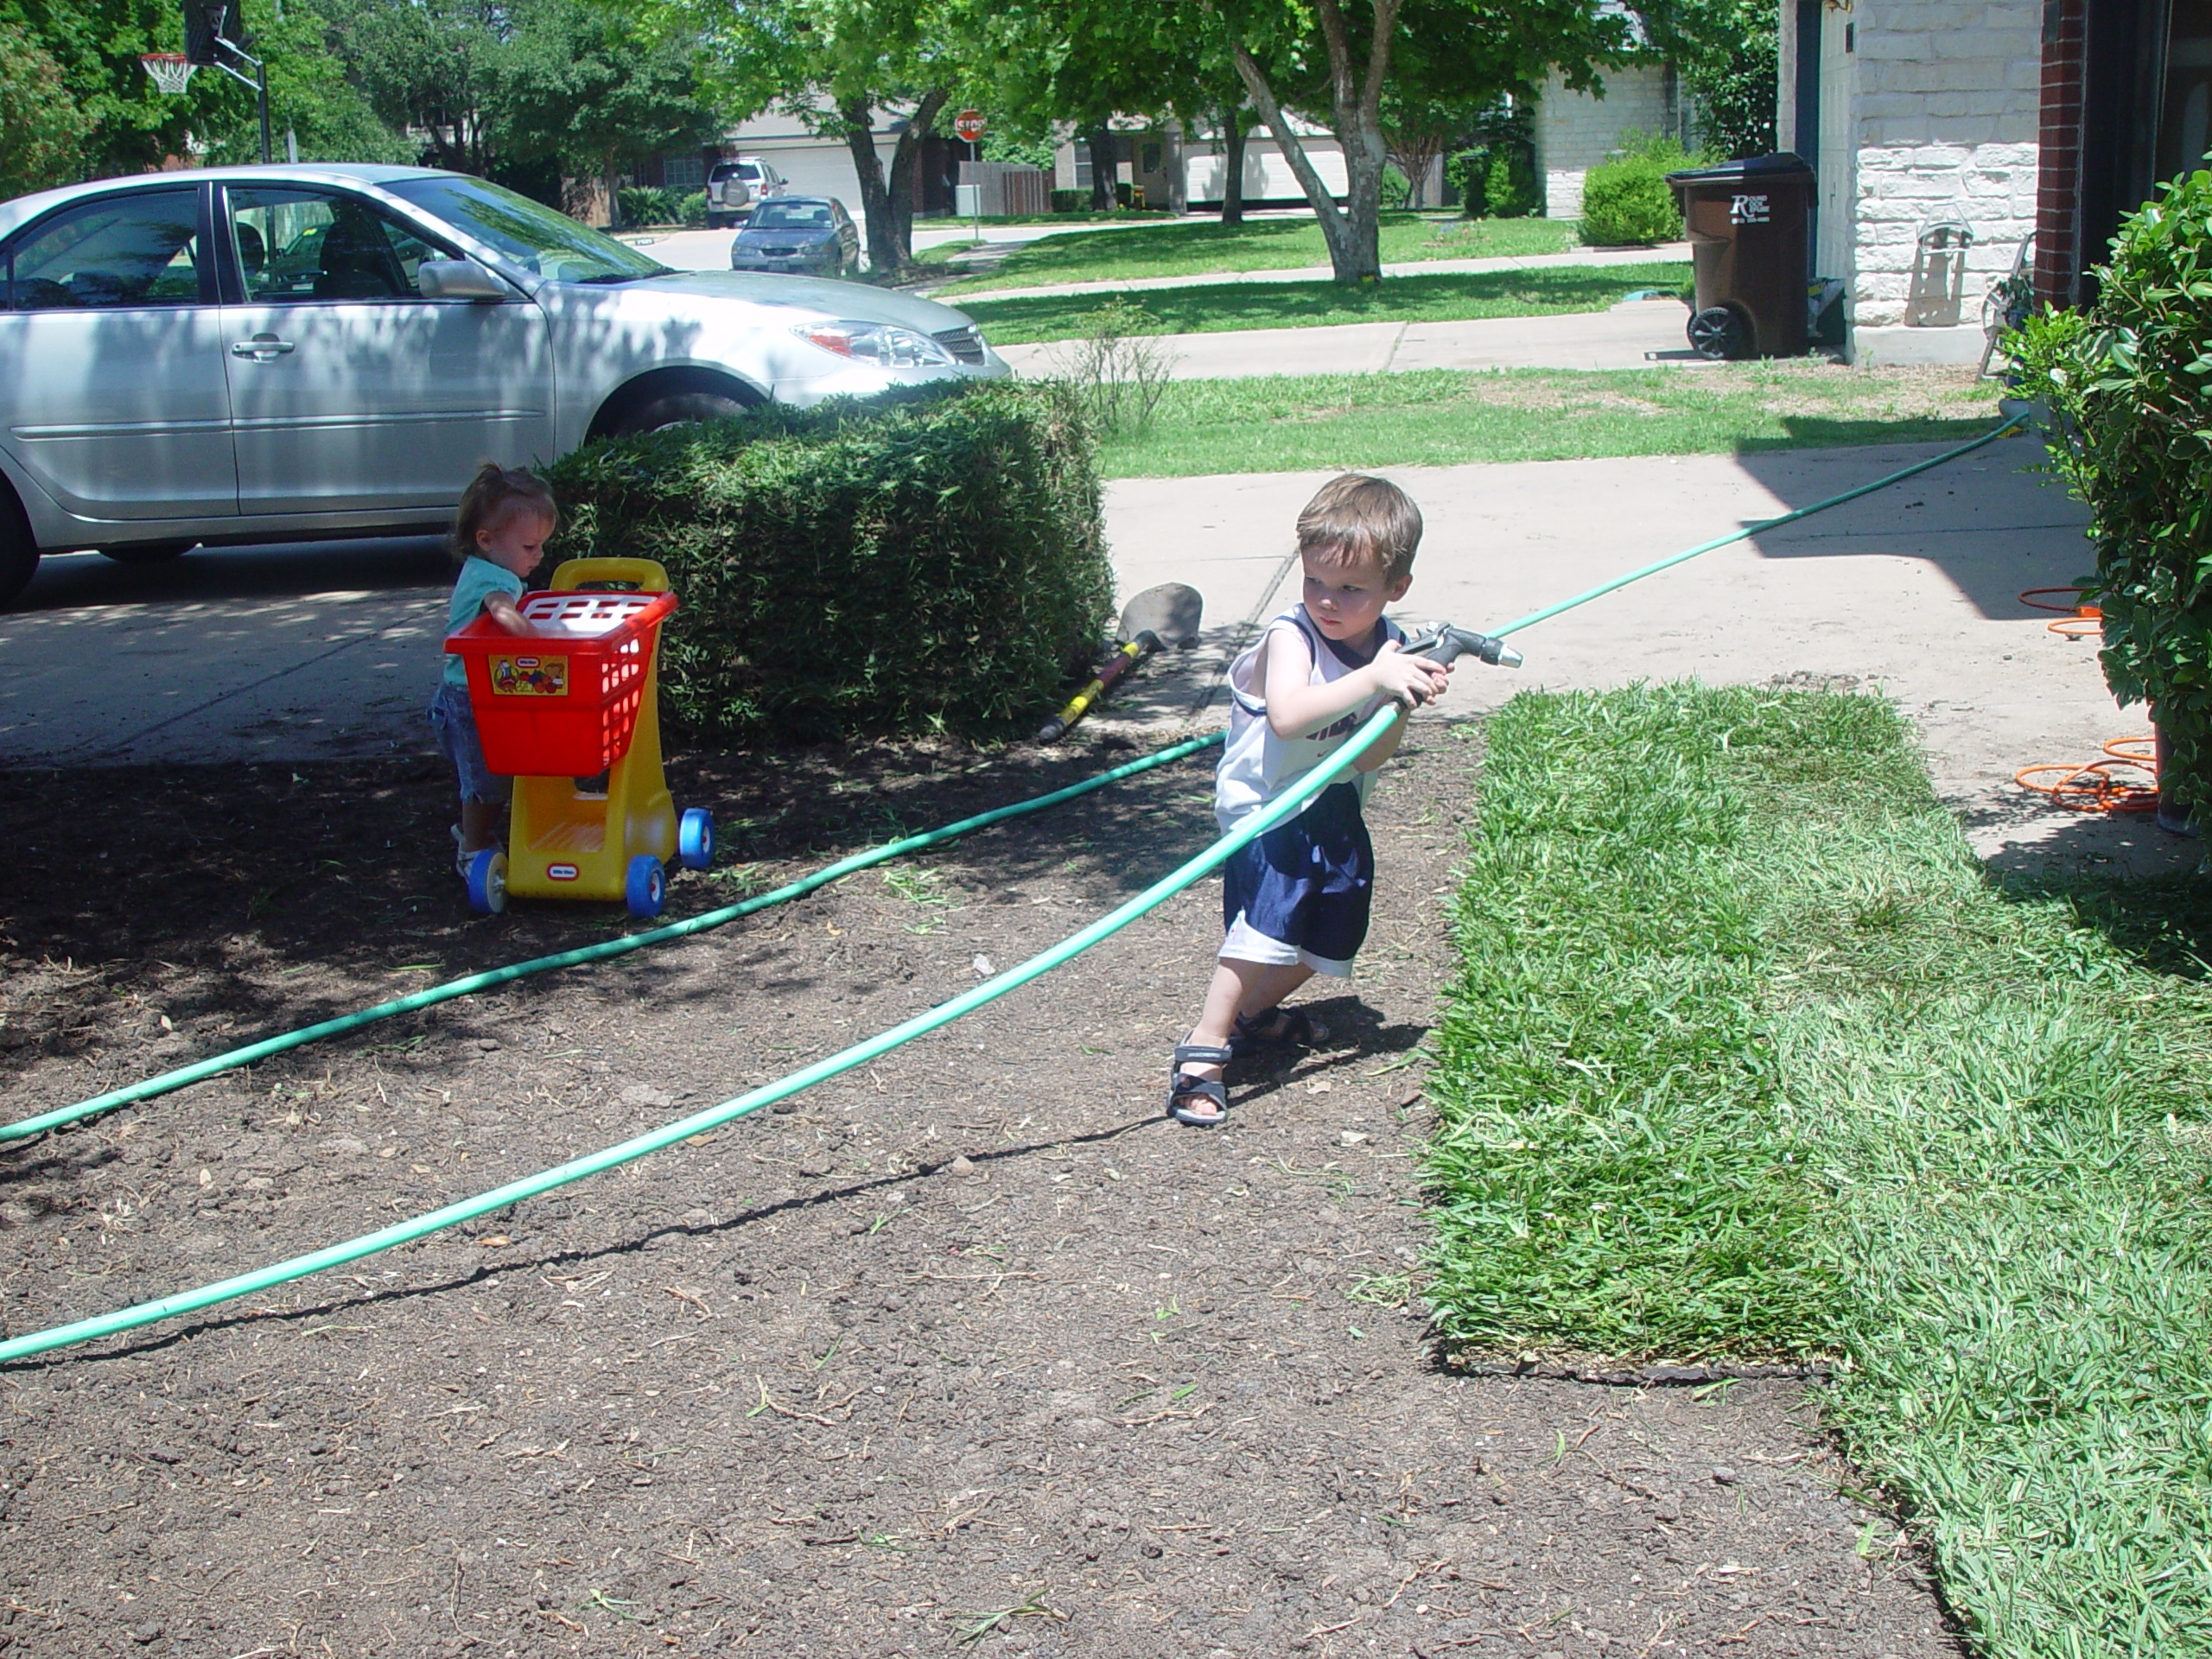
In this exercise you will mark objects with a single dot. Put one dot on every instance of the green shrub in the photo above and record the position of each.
(1397, 189)
(1627, 200)
(644, 204)
(1467, 175)
(932, 560)
(1070, 201)
(692, 209)
(1509, 185)
(2126, 380)
(1499, 180)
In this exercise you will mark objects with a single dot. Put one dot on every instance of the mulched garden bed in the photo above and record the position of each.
(967, 1351)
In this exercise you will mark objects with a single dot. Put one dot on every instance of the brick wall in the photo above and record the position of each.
(2058, 227)
(1575, 131)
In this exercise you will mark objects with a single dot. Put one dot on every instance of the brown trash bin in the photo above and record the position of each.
(1748, 224)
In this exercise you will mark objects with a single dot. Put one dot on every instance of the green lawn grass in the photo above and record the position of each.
(1747, 1056)
(1199, 247)
(1215, 307)
(1440, 417)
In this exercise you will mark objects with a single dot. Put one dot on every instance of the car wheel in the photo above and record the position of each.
(675, 410)
(18, 552)
(147, 552)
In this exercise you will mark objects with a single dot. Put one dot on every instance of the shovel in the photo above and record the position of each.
(1159, 618)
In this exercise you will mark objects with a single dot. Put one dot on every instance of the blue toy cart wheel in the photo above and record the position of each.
(488, 881)
(695, 838)
(647, 886)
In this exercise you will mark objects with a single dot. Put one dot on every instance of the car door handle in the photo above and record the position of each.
(261, 348)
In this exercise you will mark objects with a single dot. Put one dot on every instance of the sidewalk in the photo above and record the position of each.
(1659, 253)
(1637, 334)
(278, 655)
(1912, 590)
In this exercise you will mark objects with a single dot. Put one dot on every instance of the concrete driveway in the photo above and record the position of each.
(330, 653)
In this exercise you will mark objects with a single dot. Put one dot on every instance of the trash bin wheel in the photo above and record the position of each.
(646, 889)
(488, 881)
(1718, 333)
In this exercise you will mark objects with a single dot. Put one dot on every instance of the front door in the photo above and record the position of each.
(349, 391)
(112, 395)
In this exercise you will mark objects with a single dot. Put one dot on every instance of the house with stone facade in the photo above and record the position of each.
(1959, 142)
(1574, 131)
(1922, 120)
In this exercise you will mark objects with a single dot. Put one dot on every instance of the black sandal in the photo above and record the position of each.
(1276, 1028)
(1186, 1085)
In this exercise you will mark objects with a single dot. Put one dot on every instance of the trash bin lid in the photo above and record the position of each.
(1751, 167)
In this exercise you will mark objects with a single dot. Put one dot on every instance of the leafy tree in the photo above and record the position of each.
(95, 44)
(42, 131)
(1337, 57)
(580, 84)
(1048, 64)
(1729, 55)
(835, 66)
(429, 67)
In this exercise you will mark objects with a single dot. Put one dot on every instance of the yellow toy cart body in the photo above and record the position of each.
(573, 690)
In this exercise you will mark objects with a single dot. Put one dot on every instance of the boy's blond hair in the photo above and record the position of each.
(1355, 517)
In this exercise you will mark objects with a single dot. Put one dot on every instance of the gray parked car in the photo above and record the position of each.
(809, 235)
(251, 355)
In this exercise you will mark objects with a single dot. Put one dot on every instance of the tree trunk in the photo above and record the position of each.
(1232, 187)
(1105, 169)
(855, 115)
(907, 168)
(888, 208)
(1417, 156)
(1353, 234)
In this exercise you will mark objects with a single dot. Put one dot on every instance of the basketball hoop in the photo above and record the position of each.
(170, 70)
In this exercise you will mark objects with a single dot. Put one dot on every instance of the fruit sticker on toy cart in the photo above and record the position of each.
(530, 676)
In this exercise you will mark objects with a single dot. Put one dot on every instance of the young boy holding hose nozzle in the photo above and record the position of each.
(1295, 901)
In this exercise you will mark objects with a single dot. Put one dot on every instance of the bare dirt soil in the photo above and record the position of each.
(970, 1350)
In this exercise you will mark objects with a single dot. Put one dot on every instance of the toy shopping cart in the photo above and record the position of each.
(572, 715)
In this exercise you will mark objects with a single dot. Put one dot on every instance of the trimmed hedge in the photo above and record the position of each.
(930, 561)
(2128, 381)
(1627, 201)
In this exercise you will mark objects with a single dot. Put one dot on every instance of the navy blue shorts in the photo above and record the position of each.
(1305, 887)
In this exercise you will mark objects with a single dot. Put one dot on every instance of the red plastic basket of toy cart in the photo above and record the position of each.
(564, 703)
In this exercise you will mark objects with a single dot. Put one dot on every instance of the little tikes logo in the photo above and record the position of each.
(560, 872)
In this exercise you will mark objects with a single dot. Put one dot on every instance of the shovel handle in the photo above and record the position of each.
(1123, 660)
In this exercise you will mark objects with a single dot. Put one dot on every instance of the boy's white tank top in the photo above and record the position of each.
(1255, 765)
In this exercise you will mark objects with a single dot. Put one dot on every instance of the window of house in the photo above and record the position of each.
(682, 172)
(2185, 116)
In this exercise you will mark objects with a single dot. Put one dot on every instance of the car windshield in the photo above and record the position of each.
(529, 232)
(791, 216)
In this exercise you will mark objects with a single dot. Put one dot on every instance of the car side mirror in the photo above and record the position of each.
(457, 279)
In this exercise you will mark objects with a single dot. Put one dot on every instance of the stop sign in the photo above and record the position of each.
(969, 124)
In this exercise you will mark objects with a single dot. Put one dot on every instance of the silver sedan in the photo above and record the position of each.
(248, 355)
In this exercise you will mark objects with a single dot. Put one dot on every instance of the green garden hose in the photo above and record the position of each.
(184, 1076)
(1255, 825)
(499, 1197)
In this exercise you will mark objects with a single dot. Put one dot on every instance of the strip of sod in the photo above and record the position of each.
(1218, 307)
(1749, 1057)
(1194, 247)
(1440, 417)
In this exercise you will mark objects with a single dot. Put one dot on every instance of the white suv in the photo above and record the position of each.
(733, 187)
